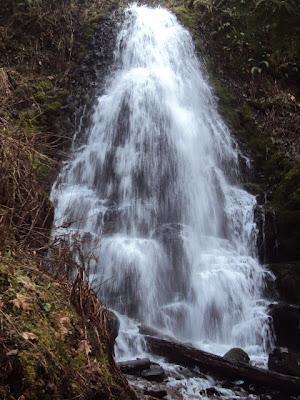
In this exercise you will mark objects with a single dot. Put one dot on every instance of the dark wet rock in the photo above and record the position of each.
(171, 236)
(168, 232)
(286, 322)
(287, 281)
(89, 82)
(210, 392)
(111, 220)
(237, 355)
(266, 397)
(134, 367)
(284, 361)
(155, 373)
(256, 378)
(288, 233)
(266, 221)
(156, 394)
(113, 325)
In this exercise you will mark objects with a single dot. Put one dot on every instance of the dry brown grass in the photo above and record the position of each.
(25, 209)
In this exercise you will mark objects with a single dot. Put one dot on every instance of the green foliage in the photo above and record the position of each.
(288, 191)
(252, 52)
(277, 9)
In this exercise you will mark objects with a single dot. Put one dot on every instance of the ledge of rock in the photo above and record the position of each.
(284, 361)
(286, 322)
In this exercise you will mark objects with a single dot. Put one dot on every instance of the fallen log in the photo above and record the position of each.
(217, 366)
(149, 331)
(134, 367)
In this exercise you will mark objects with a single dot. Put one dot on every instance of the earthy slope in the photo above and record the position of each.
(55, 342)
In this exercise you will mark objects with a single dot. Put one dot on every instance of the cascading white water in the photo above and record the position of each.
(157, 182)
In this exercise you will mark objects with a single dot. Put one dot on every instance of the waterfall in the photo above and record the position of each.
(154, 187)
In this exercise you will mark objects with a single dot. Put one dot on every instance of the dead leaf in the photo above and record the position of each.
(22, 302)
(5, 87)
(63, 331)
(12, 352)
(26, 282)
(64, 320)
(84, 347)
(64, 325)
(29, 336)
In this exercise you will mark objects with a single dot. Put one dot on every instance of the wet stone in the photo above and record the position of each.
(210, 392)
(284, 361)
(237, 355)
(155, 373)
(157, 394)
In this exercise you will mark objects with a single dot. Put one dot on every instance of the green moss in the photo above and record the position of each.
(295, 199)
(27, 122)
(43, 86)
(53, 107)
(187, 17)
(44, 169)
(288, 190)
(95, 18)
(49, 98)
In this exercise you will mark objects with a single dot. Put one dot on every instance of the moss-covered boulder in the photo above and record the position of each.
(237, 355)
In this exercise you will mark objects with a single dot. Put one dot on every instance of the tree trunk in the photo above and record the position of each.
(190, 357)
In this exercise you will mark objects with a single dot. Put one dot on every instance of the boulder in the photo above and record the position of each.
(286, 322)
(237, 355)
(210, 392)
(134, 367)
(156, 394)
(155, 373)
(284, 361)
(113, 324)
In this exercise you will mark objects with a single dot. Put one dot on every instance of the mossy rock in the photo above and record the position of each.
(188, 18)
(288, 190)
(237, 355)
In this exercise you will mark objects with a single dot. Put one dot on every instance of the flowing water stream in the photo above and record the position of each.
(154, 186)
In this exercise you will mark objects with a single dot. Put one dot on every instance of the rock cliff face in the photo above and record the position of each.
(253, 60)
(252, 52)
